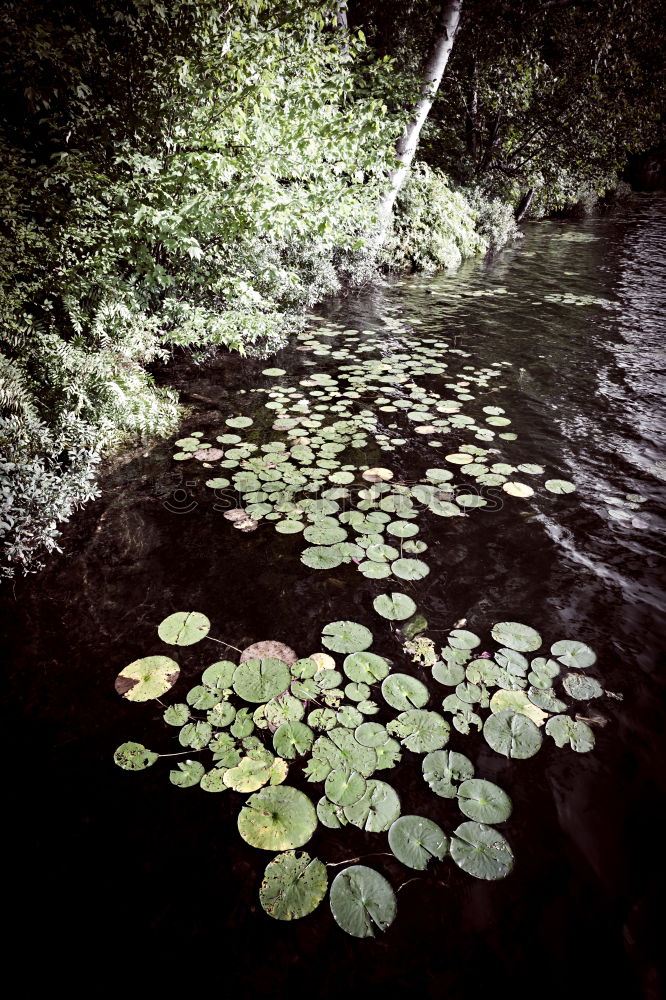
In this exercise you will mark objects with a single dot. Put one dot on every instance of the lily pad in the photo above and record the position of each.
(344, 786)
(187, 774)
(184, 628)
(366, 668)
(377, 809)
(134, 757)
(270, 648)
(277, 818)
(395, 606)
(415, 841)
(147, 678)
(292, 739)
(420, 731)
(483, 801)
(512, 734)
(571, 732)
(294, 885)
(362, 901)
(573, 654)
(582, 688)
(481, 851)
(346, 637)
(259, 680)
(517, 701)
(443, 770)
(516, 636)
(559, 486)
(402, 691)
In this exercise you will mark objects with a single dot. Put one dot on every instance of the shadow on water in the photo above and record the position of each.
(116, 867)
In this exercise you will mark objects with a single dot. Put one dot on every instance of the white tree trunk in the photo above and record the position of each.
(406, 145)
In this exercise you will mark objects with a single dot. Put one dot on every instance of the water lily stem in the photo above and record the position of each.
(227, 644)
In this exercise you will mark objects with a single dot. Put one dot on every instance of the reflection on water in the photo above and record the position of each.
(577, 310)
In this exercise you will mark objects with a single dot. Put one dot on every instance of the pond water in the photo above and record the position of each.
(110, 864)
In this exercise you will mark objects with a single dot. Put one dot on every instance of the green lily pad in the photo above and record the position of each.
(294, 885)
(134, 757)
(460, 638)
(252, 773)
(483, 801)
(543, 672)
(273, 373)
(292, 739)
(559, 486)
(330, 815)
(344, 786)
(420, 731)
(415, 841)
(362, 901)
(574, 654)
(322, 718)
(512, 734)
(202, 697)
(570, 732)
(213, 781)
(545, 698)
(346, 637)
(402, 691)
(277, 818)
(196, 735)
(259, 680)
(219, 675)
(187, 774)
(449, 674)
(517, 701)
(481, 851)
(377, 809)
(184, 628)
(516, 636)
(177, 715)
(365, 668)
(395, 606)
(322, 557)
(443, 770)
(147, 678)
(582, 688)
(410, 569)
(371, 734)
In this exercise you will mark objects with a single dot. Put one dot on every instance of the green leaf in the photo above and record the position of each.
(376, 810)
(395, 606)
(188, 774)
(574, 654)
(292, 739)
(420, 731)
(402, 692)
(294, 885)
(344, 786)
(184, 628)
(134, 757)
(177, 715)
(570, 732)
(481, 851)
(259, 680)
(559, 486)
(346, 637)
(415, 841)
(277, 818)
(516, 636)
(512, 734)
(443, 770)
(362, 901)
(483, 801)
(582, 688)
(366, 668)
(147, 678)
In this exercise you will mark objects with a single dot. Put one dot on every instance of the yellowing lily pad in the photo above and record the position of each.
(147, 678)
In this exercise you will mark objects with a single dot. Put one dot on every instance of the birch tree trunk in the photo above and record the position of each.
(405, 148)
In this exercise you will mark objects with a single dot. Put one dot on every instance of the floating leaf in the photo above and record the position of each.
(460, 638)
(443, 770)
(516, 636)
(395, 606)
(582, 688)
(573, 654)
(292, 739)
(420, 731)
(362, 901)
(213, 781)
(269, 648)
(483, 801)
(371, 734)
(196, 735)
(415, 841)
(559, 486)
(545, 699)
(481, 851)
(277, 818)
(517, 701)
(322, 557)
(512, 734)
(134, 757)
(344, 786)
(571, 732)
(377, 809)
(410, 569)
(366, 667)
(402, 691)
(219, 675)
(294, 885)
(184, 628)
(329, 814)
(187, 774)
(177, 715)
(259, 680)
(515, 489)
(346, 637)
(147, 678)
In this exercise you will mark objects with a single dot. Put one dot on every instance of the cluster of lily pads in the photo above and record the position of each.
(312, 476)
(272, 712)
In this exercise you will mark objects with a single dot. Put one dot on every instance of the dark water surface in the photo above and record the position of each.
(125, 870)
